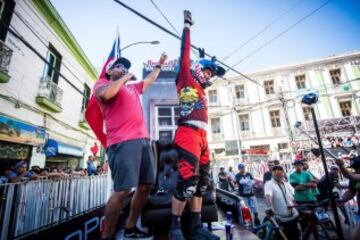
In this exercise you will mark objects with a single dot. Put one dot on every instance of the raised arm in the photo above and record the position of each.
(151, 77)
(349, 175)
(185, 43)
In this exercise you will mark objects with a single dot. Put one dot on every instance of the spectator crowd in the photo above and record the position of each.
(20, 172)
(286, 188)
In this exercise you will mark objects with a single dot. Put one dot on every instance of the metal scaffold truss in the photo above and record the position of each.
(336, 126)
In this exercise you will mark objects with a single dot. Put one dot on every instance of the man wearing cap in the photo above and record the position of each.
(129, 150)
(334, 182)
(245, 182)
(268, 175)
(279, 197)
(324, 187)
(303, 183)
(191, 138)
(20, 173)
(304, 186)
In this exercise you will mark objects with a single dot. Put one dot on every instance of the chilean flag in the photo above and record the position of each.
(93, 113)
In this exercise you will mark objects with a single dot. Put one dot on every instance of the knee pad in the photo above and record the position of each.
(185, 190)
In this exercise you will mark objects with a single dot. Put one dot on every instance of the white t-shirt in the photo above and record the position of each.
(273, 189)
(231, 176)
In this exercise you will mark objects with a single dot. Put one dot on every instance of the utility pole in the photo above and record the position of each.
(287, 120)
(234, 118)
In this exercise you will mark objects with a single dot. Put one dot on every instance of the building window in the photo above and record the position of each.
(6, 13)
(275, 118)
(307, 113)
(215, 126)
(345, 108)
(86, 97)
(244, 122)
(166, 135)
(240, 91)
(51, 72)
(166, 121)
(300, 81)
(269, 87)
(212, 96)
(335, 76)
(282, 146)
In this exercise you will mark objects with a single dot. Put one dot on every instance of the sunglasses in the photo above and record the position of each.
(121, 67)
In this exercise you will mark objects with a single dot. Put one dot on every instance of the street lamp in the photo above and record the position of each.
(310, 99)
(141, 42)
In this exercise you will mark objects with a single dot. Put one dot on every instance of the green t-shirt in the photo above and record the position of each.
(301, 178)
(315, 190)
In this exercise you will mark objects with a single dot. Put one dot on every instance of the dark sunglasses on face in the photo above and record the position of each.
(121, 67)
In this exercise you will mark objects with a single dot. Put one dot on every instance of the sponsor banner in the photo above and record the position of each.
(168, 66)
(86, 226)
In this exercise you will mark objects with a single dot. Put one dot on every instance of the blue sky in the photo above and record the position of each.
(220, 27)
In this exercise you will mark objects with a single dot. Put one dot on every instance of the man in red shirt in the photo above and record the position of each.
(129, 149)
(190, 138)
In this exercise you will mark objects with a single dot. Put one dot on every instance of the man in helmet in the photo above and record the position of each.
(190, 138)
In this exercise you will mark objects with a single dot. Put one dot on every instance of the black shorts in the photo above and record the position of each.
(131, 163)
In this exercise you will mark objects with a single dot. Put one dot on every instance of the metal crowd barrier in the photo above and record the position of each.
(27, 207)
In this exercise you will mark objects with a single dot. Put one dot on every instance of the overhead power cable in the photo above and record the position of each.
(28, 45)
(169, 22)
(174, 35)
(279, 35)
(162, 14)
(40, 38)
(262, 30)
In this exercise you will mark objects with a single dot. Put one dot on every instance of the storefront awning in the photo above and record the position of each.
(54, 147)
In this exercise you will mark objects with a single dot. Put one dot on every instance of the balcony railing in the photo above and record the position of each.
(5, 59)
(50, 95)
(241, 101)
(217, 137)
(82, 121)
(245, 134)
(277, 131)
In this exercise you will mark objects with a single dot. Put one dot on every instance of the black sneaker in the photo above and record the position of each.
(200, 233)
(135, 233)
(187, 17)
(176, 234)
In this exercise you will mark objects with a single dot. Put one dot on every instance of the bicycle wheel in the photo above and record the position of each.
(329, 230)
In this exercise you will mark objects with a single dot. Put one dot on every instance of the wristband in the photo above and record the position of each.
(158, 66)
